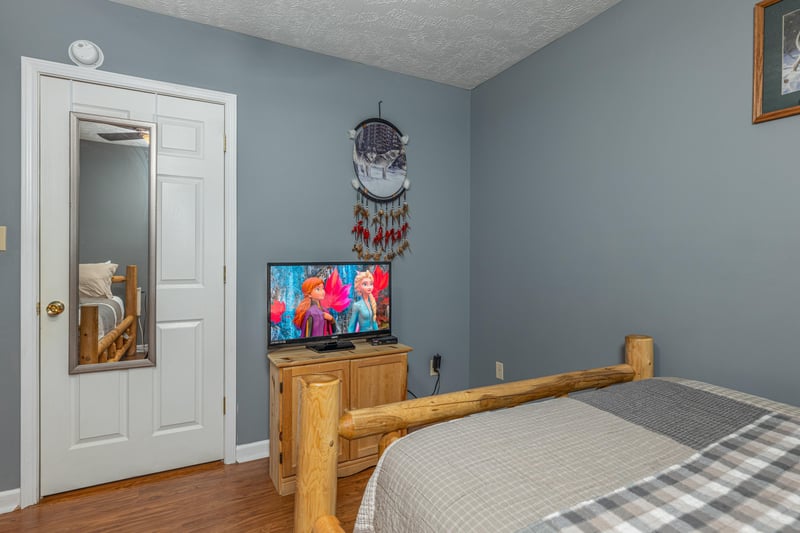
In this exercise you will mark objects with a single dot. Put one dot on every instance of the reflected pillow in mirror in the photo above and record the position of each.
(94, 279)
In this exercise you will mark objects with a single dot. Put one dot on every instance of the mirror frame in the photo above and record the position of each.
(75, 366)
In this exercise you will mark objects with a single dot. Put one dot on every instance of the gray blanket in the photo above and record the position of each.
(509, 469)
(749, 481)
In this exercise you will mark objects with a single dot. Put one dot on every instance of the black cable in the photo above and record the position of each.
(411, 393)
(436, 386)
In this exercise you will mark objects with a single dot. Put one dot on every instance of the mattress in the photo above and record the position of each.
(593, 461)
(110, 312)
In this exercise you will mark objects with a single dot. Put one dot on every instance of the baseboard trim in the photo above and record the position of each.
(252, 451)
(9, 500)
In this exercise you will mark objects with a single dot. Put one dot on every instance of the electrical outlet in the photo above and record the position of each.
(498, 370)
(434, 372)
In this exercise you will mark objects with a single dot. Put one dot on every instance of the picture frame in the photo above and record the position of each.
(379, 159)
(776, 59)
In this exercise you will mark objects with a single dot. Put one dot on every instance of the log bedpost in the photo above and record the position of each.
(318, 450)
(639, 354)
(88, 333)
(328, 524)
(131, 289)
(386, 440)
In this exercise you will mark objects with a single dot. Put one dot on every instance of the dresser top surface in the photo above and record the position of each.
(298, 355)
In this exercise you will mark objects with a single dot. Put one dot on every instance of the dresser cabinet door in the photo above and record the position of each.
(375, 381)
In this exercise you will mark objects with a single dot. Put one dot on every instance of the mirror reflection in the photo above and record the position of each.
(112, 243)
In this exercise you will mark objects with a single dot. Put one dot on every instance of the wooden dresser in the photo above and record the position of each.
(371, 375)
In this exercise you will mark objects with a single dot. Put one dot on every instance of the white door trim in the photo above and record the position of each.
(32, 69)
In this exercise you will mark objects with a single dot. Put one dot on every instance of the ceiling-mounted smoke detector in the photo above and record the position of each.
(85, 54)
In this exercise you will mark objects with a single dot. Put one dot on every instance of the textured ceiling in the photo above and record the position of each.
(457, 42)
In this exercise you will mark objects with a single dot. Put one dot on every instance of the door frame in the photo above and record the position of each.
(32, 70)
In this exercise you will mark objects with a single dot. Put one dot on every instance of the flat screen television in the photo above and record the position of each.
(326, 305)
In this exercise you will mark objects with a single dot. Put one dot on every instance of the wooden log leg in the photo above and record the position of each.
(131, 283)
(388, 439)
(639, 354)
(88, 335)
(318, 450)
(328, 524)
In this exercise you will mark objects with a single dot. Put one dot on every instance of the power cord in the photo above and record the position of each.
(437, 367)
(436, 386)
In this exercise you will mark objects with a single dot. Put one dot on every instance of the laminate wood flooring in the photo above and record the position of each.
(213, 497)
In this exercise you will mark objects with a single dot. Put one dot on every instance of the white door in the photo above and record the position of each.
(105, 426)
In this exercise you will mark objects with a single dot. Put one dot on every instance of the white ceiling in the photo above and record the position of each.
(457, 42)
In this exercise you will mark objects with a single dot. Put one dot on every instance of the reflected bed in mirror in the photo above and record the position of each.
(112, 243)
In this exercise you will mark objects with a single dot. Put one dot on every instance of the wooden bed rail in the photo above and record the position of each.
(402, 415)
(320, 426)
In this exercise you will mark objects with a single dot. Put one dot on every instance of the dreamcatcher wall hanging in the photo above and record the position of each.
(381, 211)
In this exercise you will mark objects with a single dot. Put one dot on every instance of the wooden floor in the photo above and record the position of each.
(210, 497)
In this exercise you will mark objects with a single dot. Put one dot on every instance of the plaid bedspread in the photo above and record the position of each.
(748, 481)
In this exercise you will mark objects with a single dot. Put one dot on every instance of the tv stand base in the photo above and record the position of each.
(335, 346)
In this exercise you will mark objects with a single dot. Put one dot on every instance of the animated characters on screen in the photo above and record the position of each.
(364, 311)
(310, 316)
(311, 304)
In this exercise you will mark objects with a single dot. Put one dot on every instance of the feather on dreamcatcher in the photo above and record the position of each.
(381, 211)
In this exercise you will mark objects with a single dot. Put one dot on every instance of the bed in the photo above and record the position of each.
(106, 323)
(612, 447)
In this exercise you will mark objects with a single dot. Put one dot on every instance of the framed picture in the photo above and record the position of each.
(379, 159)
(776, 60)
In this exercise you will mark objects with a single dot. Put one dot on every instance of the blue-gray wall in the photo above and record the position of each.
(618, 186)
(294, 171)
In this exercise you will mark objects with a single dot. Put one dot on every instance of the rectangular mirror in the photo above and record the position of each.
(112, 243)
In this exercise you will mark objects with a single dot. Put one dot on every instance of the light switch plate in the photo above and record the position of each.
(2, 238)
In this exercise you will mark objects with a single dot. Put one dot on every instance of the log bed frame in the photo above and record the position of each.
(113, 346)
(320, 424)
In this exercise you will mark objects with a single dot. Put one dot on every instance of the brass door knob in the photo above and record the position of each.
(55, 308)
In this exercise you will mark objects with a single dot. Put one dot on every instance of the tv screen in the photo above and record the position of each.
(321, 304)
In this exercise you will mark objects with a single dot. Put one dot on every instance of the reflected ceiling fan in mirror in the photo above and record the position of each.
(103, 132)
(125, 136)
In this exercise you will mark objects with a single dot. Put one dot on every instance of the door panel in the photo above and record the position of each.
(112, 101)
(105, 426)
(180, 251)
(178, 400)
(189, 268)
(109, 423)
